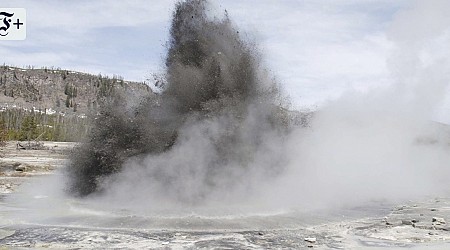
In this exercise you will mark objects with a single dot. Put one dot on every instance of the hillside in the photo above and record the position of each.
(54, 102)
(59, 90)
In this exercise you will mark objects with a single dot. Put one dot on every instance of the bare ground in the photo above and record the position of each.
(16, 165)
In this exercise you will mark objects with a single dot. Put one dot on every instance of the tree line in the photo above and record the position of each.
(24, 125)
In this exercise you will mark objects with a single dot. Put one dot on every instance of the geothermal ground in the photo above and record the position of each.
(79, 224)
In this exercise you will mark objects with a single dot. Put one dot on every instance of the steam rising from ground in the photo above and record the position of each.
(209, 134)
(382, 144)
(218, 133)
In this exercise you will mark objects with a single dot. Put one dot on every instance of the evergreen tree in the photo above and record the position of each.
(28, 129)
(3, 134)
(67, 102)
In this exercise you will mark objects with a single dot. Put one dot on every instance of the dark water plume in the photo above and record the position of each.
(206, 129)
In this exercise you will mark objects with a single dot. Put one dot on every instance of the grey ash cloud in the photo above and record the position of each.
(207, 130)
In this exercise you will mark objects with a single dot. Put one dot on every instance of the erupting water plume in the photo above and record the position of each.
(205, 133)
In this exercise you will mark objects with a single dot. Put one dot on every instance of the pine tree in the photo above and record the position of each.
(28, 129)
(3, 134)
(66, 89)
(67, 102)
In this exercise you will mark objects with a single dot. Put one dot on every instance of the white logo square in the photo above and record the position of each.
(13, 24)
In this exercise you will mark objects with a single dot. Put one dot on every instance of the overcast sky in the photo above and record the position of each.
(317, 49)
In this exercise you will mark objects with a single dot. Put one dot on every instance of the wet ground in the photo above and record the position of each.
(17, 165)
(45, 222)
(396, 230)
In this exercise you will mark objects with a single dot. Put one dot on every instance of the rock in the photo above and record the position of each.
(400, 208)
(407, 222)
(8, 166)
(425, 226)
(441, 227)
(21, 168)
(395, 222)
(438, 220)
(311, 239)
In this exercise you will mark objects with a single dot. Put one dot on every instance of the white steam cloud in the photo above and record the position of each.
(383, 144)
(364, 146)
(378, 145)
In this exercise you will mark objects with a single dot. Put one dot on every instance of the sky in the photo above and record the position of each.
(316, 49)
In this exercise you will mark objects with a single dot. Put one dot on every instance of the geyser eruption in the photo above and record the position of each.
(218, 133)
(203, 136)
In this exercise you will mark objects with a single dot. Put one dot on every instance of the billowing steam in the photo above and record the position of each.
(218, 132)
(207, 131)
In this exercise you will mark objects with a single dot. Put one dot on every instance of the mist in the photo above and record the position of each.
(378, 145)
(217, 137)
(384, 143)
